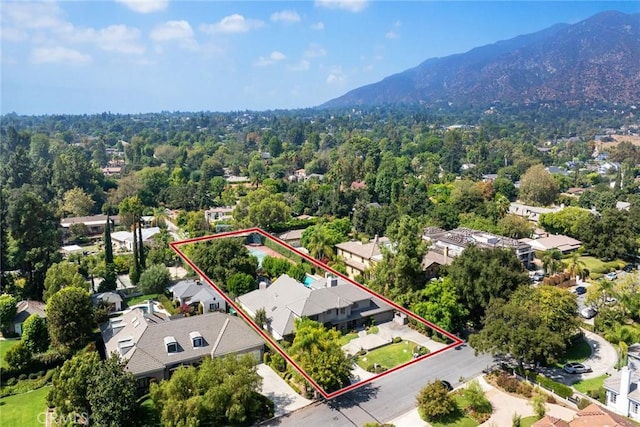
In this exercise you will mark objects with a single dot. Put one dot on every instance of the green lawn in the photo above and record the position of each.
(578, 352)
(161, 298)
(344, 339)
(142, 298)
(583, 386)
(597, 267)
(5, 345)
(458, 418)
(388, 356)
(528, 421)
(25, 409)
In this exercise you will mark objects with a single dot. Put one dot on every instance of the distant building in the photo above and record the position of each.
(532, 213)
(452, 243)
(25, 309)
(94, 223)
(123, 240)
(360, 257)
(564, 244)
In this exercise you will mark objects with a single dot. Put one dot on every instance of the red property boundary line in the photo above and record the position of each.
(243, 233)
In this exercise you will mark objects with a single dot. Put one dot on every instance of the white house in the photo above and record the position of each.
(123, 240)
(623, 395)
(197, 293)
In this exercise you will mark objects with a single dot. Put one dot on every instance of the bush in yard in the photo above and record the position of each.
(19, 357)
(477, 401)
(558, 388)
(434, 402)
(397, 340)
(154, 279)
(583, 403)
(35, 335)
(507, 382)
(12, 381)
(278, 362)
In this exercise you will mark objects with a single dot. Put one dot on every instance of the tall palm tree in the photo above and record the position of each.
(320, 244)
(576, 267)
(159, 217)
(551, 263)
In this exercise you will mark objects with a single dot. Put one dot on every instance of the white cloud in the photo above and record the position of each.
(32, 15)
(145, 6)
(303, 65)
(273, 57)
(314, 51)
(349, 5)
(286, 16)
(392, 35)
(335, 76)
(58, 54)
(318, 26)
(114, 38)
(232, 24)
(179, 31)
(12, 34)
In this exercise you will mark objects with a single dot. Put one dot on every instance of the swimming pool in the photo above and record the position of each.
(258, 254)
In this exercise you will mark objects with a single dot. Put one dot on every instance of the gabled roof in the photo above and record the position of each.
(221, 334)
(555, 241)
(365, 250)
(597, 416)
(291, 235)
(26, 308)
(195, 290)
(127, 236)
(89, 220)
(549, 421)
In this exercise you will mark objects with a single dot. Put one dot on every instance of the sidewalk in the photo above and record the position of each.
(504, 407)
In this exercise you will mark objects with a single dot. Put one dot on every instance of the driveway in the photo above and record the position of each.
(386, 332)
(602, 360)
(283, 396)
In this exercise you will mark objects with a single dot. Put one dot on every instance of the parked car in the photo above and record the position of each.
(446, 385)
(612, 275)
(580, 290)
(576, 368)
(629, 268)
(588, 312)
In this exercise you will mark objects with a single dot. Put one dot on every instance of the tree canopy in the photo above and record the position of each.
(220, 259)
(70, 318)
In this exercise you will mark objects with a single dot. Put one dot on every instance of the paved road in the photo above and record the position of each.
(390, 396)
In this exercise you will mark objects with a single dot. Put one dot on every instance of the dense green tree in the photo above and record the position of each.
(483, 274)
(534, 325)
(610, 236)
(537, 186)
(61, 275)
(19, 357)
(567, 221)
(220, 259)
(241, 283)
(34, 231)
(275, 267)
(8, 310)
(222, 391)
(438, 303)
(161, 252)
(515, 227)
(154, 280)
(70, 385)
(400, 270)
(318, 352)
(70, 318)
(76, 202)
(551, 261)
(434, 402)
(35, 335)
(111, 393)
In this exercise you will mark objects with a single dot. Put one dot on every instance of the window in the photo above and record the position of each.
(214, 306)
(197, 342)
(342, 310)
(196, 339)
(172, 347)
(634, 407)
(612, 397)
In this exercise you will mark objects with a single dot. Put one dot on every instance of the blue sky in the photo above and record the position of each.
(131, 56)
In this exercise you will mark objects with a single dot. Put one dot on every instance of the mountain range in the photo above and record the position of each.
(593, 61)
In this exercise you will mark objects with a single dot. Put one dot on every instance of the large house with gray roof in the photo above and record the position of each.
(331, 301)
(154, 346)
(201, 296)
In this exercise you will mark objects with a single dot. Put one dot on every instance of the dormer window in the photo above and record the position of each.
(196, 339)
(171, 344)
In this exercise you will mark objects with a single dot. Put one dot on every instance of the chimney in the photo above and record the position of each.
(150, 309)
(622, 403)
(263, 285)
(331, 281)
(446, 253)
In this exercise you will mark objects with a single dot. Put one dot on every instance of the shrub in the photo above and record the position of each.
(11, 381)
(266, 358)
(583, 403)
(525, 389)
(397, 340)
(420, 350)
(369, 367)
(154, 279)
(558, 388)
(507, 382)
(49, 375)
(33, 376)
(22, 377)
(362, 352)
(278, 362)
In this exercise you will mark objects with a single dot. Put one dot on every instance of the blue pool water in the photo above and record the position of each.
(258, 254)
(308, 280)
